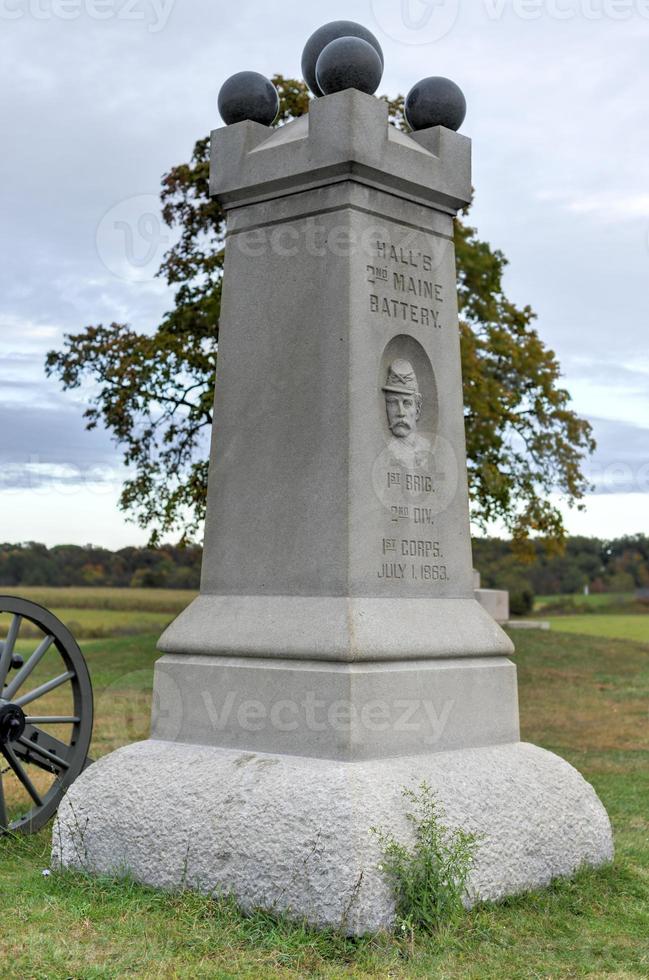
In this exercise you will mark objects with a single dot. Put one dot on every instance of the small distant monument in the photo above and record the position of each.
(495, 601)
(336, 653)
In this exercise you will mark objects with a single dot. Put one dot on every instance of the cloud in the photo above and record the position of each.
(48, 446)
(613, 373)
(621, 462)
(605, 206)
(612, 205)
(97, 110)
(17, 330)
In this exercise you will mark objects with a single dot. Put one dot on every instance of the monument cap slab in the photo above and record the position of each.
(344, 136)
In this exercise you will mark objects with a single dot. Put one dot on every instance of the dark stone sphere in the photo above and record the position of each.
(349, 62)
(248, 95)
(324, 36)
(435, 102)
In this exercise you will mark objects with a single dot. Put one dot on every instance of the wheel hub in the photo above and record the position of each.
(12, 722)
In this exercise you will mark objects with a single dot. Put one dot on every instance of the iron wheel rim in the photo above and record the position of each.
(66, 760)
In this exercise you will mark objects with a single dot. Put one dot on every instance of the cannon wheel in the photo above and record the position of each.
(26, 745)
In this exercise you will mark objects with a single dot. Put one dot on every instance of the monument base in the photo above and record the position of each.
(293, 834)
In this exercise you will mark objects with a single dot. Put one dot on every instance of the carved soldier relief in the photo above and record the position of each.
(403, 403)
(415, 473)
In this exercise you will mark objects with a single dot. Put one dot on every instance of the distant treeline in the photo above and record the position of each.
(621, 565)
(167, 567)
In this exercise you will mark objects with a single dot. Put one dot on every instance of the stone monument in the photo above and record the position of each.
(495, 601)
(336, 653)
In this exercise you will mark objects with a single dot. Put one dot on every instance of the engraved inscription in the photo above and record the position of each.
(405, 256)
(423, 288)
(431, 573)
(411, 478)
(412, 548)
(408, 312)
(402, 571)
(412, 515)
(413, 483)
(399, 278)
(397, 548)
(420, 549)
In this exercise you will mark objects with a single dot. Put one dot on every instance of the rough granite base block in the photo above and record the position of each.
(293, 834)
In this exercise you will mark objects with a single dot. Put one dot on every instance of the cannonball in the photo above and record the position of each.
(324, 36)
(248, 95)
(349, 62)
(435, 102)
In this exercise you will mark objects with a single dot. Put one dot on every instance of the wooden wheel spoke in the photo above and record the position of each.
(25, 671)
(7, 653)
(44, 689)
(43, 750)
(22, 776)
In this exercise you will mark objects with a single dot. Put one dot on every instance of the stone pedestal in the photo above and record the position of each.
(336, 653)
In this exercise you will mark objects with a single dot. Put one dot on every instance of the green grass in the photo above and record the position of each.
(73, 926)
(622, 627)
(593, 601)
(584, 697)
(613, 603)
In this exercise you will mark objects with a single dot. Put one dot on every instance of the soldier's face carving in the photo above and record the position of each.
(403, 413)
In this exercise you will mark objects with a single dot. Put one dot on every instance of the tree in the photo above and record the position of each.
(154, 391)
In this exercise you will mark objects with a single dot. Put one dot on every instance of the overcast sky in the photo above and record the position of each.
(100, 97)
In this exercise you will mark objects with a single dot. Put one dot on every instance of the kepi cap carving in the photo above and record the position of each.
(402, 379)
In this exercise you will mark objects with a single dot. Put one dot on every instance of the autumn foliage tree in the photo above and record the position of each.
(153, 390)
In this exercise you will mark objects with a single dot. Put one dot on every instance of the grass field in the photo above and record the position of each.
(594, 602)
(618, 616)
(586, 698)
(621, 627)
(170, 601)
(97, 613)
